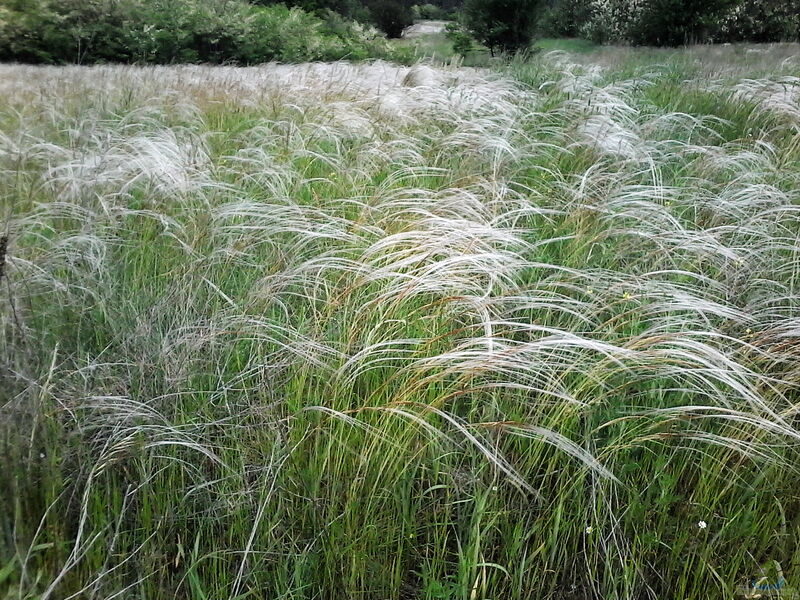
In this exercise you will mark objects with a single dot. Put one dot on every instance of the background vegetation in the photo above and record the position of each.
(256, 31)
(673, 22)
(182, 31)
(507, 25)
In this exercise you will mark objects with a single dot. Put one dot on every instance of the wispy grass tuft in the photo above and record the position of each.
(370, 331)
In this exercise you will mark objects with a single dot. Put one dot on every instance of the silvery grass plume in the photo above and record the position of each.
(779, 96)
(393, 327)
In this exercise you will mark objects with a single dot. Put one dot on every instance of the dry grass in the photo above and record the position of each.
(371, 331)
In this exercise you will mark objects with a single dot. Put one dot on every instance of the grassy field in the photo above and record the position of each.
(364, 331)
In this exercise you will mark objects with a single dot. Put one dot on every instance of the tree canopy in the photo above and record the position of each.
(676, 22)
(507, 25)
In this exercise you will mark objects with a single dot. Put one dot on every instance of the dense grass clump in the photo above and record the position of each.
(336, 331)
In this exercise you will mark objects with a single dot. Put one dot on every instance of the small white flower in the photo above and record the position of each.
(702, 524)
(41, 454)
(494, 488)
(589, 529)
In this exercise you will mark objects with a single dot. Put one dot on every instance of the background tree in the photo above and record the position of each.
(565, 18)
(179, 31)
(677, 22)
(763, 21)
(507, 25)
(461, 39)
(430, 11)
(349, 9)
(391, 16)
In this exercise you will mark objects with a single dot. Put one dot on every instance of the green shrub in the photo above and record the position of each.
(391, 17)
(507, 25)
(673, 22)
(178, 31)
(676, 22)
(460, 38)
(68, 31)
(430, 12)
(762, 21)
(565, 18)
(610, 21)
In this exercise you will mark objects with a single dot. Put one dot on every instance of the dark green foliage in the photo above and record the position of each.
(69, 31)
(391, 16)
(461, 39)
(349, 9)
(176, 31)
(430, 12)
(507, 25)
(609, 22)
(565, 18)
(763, 21)
(676, 22)
(673, 22)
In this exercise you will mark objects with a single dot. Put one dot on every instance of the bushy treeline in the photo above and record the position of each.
(763, 21)
(510, 25)
(179, 31)
(506, 25)
(436, 12)
(673, 22)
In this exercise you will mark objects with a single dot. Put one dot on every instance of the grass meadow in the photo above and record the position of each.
(363, 331)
